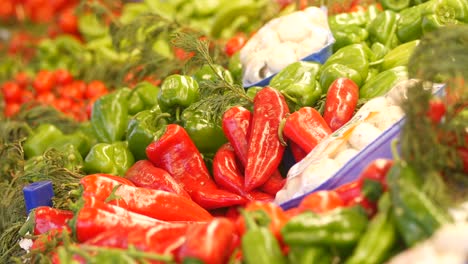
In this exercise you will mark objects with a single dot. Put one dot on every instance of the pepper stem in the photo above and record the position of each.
(178, 113)
(394, 149)
(280, 131)
(249, 220)
(28, 226)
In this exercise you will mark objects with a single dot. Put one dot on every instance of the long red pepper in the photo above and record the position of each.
(236, 127)
(265, 149)
(144, 174)
(210, 242)
(298, 153)
(306, 127)
(176, 153)
(227, 174)
(342, 99)
(153, 203)
(44, 218)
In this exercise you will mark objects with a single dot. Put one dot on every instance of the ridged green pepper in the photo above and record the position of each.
(297, 82)
(177, 93)
(78, 139)
(349, 35)
(41, 139)
(355, 56)
(109, 116)
(335, 71)
(259, 245)
(341, 227)
(416, 215)
(206, 73)
(142, 129)
(379, 238)
(309, 255)
(383, 82)
(398, 56)
(113, 159)
(409, 24)
(203, 128)
(143, 97)
(383, 29)
(379, 50)
(395, 5)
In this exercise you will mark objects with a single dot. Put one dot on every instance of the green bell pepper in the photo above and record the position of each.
(383, 82)
(41, 139)
(349, 35)
(379, 50)
(398, 56)
(73, 159)
(143, 97)
(341, 227)
(355, 56)
(109, 116)
(335, 71)
(383, 29)
(206, 73)
(409, 24)
(78, 139)
(235, 68)
(297, 82)
(379, 238)
(259, 245)
(252, 91)
(177, 93)
(142, 130)
(203, 128)
(113, 158)
(416, 215)
(308, 255)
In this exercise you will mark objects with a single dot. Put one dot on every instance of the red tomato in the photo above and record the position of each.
(26, 96)
(95, 89)
(342, 98)
(75, 90)
(63, 103)
(44, 81)
(234, 44)
(11, 92)
(63, 76)
(22, 79)
(436, 110)
(11, 109)
(182, 54)
(357, 8)
(68, 21)
(46, 98)
(6, 9)
(321, 201)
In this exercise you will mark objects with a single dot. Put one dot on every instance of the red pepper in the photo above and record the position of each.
(265, 148)
(260, 196)
(153, 203)
(306, 128)
(120, 179)
(210, 243)
(351, 194)
(176, 153)
(236, 127)
(321, 202)
(44, 218)
(144, 174)
(342, 99)
(163, 239)
(298, 153)
(436, 111)
(377, 171)
(226, 171)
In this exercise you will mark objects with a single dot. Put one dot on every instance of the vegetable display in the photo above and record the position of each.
(131, 132)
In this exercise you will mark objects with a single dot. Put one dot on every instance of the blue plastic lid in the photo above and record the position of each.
(38, 194)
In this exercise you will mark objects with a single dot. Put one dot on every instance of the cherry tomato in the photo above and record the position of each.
(342, 98)
(11, 109)
(73, 90)
(95, 89)
(22, 79)
(321, 201)
(63, 76)
(63, 103)
(68, 21)
(44, 81)
(6, 9)
(26, 96)
(11, 92)
(182, 54)
(234, 44)
(45, 98)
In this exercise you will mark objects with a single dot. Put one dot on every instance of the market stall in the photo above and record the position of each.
(253, 131)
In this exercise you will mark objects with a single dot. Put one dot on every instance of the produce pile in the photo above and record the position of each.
(173, 131)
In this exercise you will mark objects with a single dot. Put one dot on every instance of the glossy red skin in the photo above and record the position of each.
(351, 195)
(211, 242)
(298, 153)
(176, 153)
(436, 111)
(306, 128)
(144, 174)
(226, 171)
(236, 125)
(44, 81)
(341, 102)
(95, 89)
(274, 184)
(265, 149)
(68, 21)
(119, 179)
(11, 92)
(47, 218)
(377, 170)
(63, 77)
(321, 202)
(153, 203)
(235, 44)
